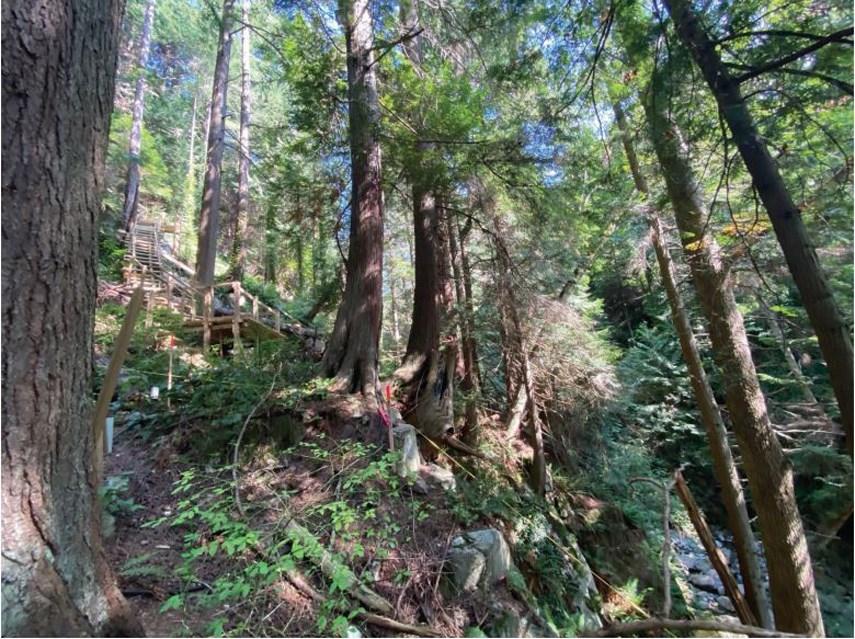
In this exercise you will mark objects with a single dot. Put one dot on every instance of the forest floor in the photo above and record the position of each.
(396, 539)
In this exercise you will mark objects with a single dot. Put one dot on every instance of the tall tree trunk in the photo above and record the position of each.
(519, 359)
(396, 323)
(426, 374)
(723, 464)
(58, 81)
(270, 246)
(469, 379)
(209, 214)
(188, 230)
(239, 248)
(828, 323)
(769, 472)
(352, 352)
(132, 186)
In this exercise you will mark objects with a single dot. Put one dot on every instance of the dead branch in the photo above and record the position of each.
(391, 624)
(240, 437)
(653, 624)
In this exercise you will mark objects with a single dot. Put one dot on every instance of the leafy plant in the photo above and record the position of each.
(112, 495)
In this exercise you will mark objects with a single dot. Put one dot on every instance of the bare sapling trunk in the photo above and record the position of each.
(769, 472)
(835, 338)
(725, 469)
(132, 185)
(352, 353)
(239, 246)
(59, 70)
(209, 214)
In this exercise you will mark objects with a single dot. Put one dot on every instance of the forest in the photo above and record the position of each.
(427, 318)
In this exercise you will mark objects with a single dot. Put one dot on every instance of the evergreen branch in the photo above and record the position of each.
(845, 87)
(795, 55)
(779, 33)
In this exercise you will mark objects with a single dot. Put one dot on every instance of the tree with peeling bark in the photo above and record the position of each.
(352, 352)
(132, 186)
(58, 81)
(206, 253)
(832, 331)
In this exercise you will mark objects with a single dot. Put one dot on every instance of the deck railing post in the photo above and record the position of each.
(278, 322)
(236, 292)
(255, 308)
(207, 308)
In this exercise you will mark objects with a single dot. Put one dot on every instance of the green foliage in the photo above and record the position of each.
(140, 566)
(112, 499)
(111, 257)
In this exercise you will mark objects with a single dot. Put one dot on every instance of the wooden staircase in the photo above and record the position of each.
(169, 282)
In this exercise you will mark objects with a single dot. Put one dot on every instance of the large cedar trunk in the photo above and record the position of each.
(769, 472)
(58, 80)
(239, 245)
(725, 469)
(209, 214)
(352, 352)
(834, 335)
(132, 186)
(425, 377)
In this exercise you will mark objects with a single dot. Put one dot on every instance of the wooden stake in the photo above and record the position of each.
(149, 309)
(236, 313)
(171, 355)
(207, 308)
(715, 555)
(102, 406)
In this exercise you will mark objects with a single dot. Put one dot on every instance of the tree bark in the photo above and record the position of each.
(426, 374)
(469, 381)
(58, 82)
(769, 472)
(835, 340)
(352, 353)
(239, 247)
(209, 214)
(723, 464)
(188, 235)
(270, 246)
(132, 186)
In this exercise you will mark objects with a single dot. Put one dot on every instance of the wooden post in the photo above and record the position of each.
(236, 313)
(102, 406)
(255, 308)
(278, 322)
(715, 555)
(207, 312)
(149, 309)
(168, 292)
